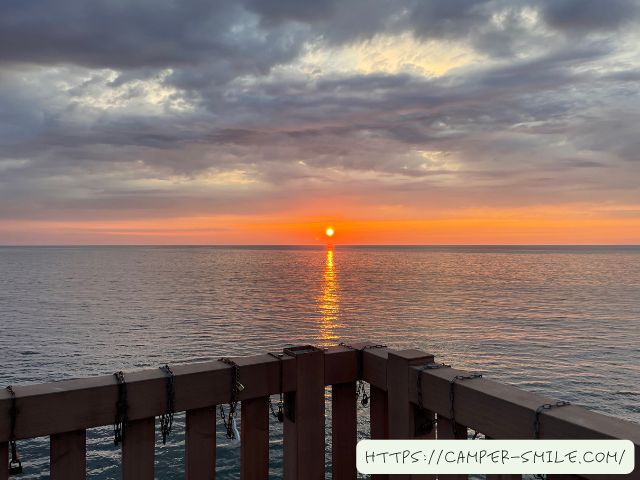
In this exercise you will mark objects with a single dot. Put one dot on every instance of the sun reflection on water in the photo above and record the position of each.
(329, 300)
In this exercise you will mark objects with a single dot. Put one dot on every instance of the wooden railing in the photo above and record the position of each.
(64, 410)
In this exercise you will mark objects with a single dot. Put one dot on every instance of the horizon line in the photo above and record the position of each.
(322, 245)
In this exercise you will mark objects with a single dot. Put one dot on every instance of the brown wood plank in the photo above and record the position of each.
(499, 410)
(374, 367)
(4, 461)
(448, 430)
(401, 417)
(379, 418)
(340, 365)
(68, 456)
(304, 433)
(138, 450)
(344, 405)
(401, 411)
(254, 450)
(200, 444)
(69, 405)
(344, 431)
(508, 412)
(503, 411)
(378, 413)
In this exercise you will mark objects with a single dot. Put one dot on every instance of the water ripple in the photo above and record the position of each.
(554, 320)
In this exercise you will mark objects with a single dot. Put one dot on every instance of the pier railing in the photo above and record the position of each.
(407, 392)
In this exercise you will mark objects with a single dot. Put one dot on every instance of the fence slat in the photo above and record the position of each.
(344, 430)
(304, 432)
(68, 455)
(379, 419)
(401, 411)
(254, 451)
(448, 430)
(379, 413)
(4, 461)
(200, 444)
(138, 450)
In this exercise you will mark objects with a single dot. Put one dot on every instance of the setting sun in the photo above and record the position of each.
(329, 231)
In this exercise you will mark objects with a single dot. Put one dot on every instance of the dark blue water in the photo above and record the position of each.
(564, 321)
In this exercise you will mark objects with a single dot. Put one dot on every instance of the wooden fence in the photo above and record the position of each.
(407, 391)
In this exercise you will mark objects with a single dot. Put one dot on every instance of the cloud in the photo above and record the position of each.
(152, 108)
(585, 16)
(277, 11)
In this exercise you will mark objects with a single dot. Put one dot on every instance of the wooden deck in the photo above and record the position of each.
(64, 410)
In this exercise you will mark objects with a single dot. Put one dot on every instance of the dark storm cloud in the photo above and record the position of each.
(500, 27)
(449, 19)
(276, 11)
(102, 101)
(587, 15)
(109, 33)
(204, 42)
(454, 19)
(162, 33)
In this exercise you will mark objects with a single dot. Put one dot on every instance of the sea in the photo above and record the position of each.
(557, 320)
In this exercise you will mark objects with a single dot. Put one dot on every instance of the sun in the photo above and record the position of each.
(329, 232)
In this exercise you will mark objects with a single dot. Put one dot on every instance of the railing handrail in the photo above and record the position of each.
(495, 409)
(504, 399)
(68, 405)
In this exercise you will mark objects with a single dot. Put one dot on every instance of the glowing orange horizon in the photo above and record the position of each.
(551, 225)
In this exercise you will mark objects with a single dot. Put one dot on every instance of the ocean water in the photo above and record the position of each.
(563, 321)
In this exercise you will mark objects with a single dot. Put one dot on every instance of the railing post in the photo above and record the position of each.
(68, 456)
(200, 444)
(374, 370)
(344, 431)
(401, 410)
(343, 363)
(304, 417)
(138, 450)
(254, 450)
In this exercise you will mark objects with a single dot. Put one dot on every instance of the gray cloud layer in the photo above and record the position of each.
(118, 108)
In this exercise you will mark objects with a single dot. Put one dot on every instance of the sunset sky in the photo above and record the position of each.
(265, 122)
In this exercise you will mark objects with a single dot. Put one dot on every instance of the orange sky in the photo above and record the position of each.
(523, 226)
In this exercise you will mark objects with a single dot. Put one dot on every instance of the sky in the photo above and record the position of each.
(265, 121)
